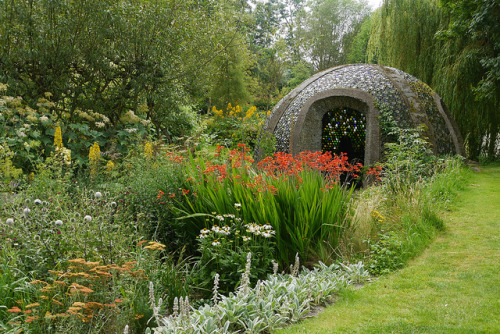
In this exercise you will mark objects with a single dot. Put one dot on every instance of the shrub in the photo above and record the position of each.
(224, 246)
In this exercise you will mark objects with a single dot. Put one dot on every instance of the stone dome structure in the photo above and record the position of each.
(339, 110)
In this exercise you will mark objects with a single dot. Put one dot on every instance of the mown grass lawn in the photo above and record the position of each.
(453, 287)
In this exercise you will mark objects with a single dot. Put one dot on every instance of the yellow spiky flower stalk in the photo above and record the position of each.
(94, 158)
(148, 150)
(58, 138)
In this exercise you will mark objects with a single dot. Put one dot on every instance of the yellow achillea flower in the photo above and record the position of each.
(32, 305)
(155, 246)
(58, 138)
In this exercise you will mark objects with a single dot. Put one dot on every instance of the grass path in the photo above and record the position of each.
(453, 287)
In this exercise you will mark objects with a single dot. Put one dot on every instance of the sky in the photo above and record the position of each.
(374, 3)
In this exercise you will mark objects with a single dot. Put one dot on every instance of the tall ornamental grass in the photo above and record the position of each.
(299, 196)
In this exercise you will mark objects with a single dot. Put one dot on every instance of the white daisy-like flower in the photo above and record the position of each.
(10, 221)
(215, 243)
(237, 205)
(38, 202)
(58, 222)
(98, 195)
(245, 238)
(87, 218)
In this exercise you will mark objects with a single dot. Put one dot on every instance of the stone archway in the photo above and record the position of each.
(307, 132)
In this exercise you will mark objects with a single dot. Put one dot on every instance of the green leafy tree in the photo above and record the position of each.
(453, 48)
(325, 28)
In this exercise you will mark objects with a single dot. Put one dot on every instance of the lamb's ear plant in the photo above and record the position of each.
(270, 304)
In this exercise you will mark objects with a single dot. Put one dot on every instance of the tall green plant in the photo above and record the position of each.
(305, 207)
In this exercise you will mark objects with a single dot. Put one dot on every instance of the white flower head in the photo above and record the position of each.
(58, 222)
(10, 221)
(219, 217)
(98, 195)
(215, 243)
(237, 205)
(38, 202)
(26, 212)
(113, 204)
(87, 218)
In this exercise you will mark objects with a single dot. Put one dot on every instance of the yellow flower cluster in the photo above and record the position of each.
(109, 166)
(58, 138)
(250, 112)
(148, 150)
(235, 111)
(94, 158)
(377, 216)
(153, 245)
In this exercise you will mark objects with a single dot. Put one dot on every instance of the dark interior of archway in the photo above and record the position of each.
(344, 131)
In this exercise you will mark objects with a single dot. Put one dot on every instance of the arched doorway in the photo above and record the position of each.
(308, 132)
(344, 131)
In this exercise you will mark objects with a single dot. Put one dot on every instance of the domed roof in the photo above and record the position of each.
(369, 89)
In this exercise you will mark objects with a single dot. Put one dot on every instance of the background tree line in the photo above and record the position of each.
(164, 60)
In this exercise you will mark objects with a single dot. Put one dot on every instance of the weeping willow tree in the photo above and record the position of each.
(419, 37)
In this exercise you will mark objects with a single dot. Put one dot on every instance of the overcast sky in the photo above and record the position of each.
(374, 3)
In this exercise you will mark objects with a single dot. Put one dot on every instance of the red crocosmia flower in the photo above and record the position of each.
(185, 192)
(160, 194)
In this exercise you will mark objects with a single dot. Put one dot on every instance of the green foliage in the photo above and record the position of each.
(271, 304)
(357, 48)
(305, 209)
(327, 28)
(81, 247)
(102, 61)
(385, 254)
(407, 156)
(140, 178)
(224, 244)
(451, 48)
(234, 125)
